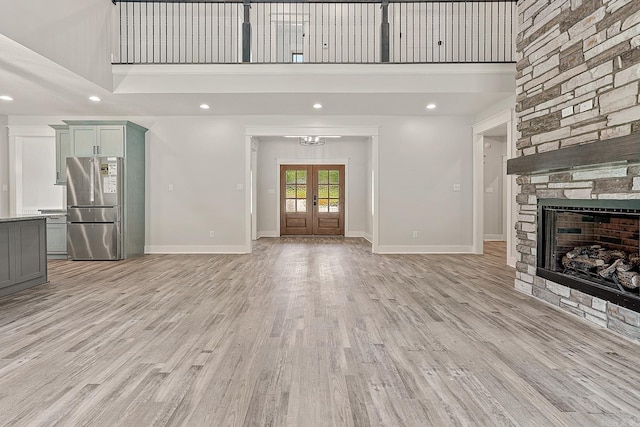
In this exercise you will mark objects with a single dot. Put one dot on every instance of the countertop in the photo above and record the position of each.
(27, 217)
(53, 211)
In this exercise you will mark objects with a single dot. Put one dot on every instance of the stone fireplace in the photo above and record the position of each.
(592, 246)
(578, 157)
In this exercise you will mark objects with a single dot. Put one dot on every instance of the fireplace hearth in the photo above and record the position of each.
(592, 246)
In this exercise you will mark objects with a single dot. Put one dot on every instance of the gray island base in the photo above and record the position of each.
(23, 253)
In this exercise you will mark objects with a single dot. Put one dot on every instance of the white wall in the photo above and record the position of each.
(75, 34)
(354, 151)
(508, 103)
(494, 204)
(420, 159)
(203, 159)
(4, 166)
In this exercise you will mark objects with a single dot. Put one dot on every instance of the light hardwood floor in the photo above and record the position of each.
(305, 333)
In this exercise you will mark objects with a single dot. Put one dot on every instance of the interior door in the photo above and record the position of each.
(312, 200)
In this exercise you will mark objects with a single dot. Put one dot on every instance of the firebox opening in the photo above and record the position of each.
(593, 246)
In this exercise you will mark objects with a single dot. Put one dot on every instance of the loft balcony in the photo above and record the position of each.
(329, 32)
(261, 58)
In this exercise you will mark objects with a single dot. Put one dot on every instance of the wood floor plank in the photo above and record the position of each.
(305, 332)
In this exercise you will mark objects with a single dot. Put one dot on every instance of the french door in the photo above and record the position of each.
(312, 200)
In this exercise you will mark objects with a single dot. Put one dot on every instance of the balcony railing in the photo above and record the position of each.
(346, 32)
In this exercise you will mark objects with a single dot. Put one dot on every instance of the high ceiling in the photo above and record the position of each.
(41, 87)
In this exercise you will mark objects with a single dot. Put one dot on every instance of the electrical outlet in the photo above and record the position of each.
(456, 187)
(415, 234)
(170, 187)
(212, 234)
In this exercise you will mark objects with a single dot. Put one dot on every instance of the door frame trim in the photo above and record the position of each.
(507, 118)
(314, 162)
(372, 132)
(15, 136)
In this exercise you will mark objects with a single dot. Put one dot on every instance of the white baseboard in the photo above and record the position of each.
(368, 237)
(409, 249)
(267, 234)
(494, 238)
(195, 249)
(354, 234)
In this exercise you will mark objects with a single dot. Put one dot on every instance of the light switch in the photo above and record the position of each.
(489, 190)
(240, 187)
(456, 187)
(5, 187)
(271, 191)
(170, 187)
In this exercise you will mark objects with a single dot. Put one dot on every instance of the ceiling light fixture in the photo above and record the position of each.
(6, 98)
(431, 106)
(204, 106)
(319, 136)
(312, 140)
(317, 106)
(94, 98)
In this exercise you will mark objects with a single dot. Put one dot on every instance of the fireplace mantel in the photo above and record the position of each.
(621, 149)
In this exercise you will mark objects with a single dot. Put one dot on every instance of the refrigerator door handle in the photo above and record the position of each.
(92, 184)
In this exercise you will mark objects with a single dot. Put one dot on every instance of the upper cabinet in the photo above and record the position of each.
(96, 138)
(99, 140)
(63, 149)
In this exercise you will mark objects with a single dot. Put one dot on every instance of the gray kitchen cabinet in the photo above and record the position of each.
(89, 138)
(97, 140)
(30, 246)
(7, 270)
(63, 150)
(23, 258)
(57, 237)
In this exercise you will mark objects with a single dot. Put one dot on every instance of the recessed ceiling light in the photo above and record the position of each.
(317, 106)
(204, 106)
(6, 98)
(431, 106)
(94, 98)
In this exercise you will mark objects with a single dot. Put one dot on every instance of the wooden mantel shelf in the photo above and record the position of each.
(621, 149)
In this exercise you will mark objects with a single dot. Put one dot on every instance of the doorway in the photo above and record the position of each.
(312, 200)
(482, 132)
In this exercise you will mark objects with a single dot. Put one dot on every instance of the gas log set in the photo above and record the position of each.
(616, 267)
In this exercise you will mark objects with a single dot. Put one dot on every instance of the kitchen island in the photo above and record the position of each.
(23, 252)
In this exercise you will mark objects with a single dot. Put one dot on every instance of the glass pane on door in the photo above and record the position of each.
(328, 191)
(296, 190)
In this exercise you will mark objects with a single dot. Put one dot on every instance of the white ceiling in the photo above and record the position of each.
(42, 87)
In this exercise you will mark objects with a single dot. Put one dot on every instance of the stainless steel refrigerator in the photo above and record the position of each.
(95, 203)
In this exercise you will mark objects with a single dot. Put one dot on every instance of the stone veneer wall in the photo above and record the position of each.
(578, 77)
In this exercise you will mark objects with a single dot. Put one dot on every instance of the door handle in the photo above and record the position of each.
(315, 200)
(91, 182)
